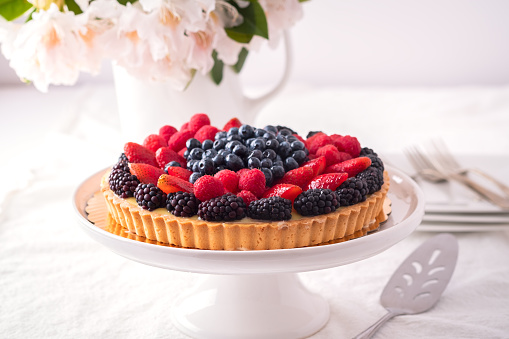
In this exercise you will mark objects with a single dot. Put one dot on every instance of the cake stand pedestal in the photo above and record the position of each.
(257, 294)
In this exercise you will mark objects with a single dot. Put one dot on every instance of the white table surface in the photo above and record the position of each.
(55, 282)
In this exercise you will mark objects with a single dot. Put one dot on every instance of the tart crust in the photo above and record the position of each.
(247, 234)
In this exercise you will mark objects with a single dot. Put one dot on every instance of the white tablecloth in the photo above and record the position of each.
(55, 282)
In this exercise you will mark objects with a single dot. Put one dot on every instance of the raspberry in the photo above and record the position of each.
(352, 191)
(347, 144)
(374, 179)
(247, 196)
(178, 140)
(332, 154)
(253, 181)
(167, 131)
(206, 132)
(311, 133)
(208, 187)
(137, 153)
(154, 141)
(123, 183)
(272, 208)
(316, 202)
(316, 141)
(184, 127)
(224, 208)
(182, 204)
(230, 180)
(149, 197)
(197, 121)
(234, 122)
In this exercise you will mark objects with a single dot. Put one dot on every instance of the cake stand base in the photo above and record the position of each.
(250, 306)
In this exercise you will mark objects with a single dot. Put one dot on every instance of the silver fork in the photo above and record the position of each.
(429, 169)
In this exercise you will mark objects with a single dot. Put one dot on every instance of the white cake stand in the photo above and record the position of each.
(258, 294)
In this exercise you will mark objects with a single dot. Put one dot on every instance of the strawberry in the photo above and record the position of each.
(167, 131)
(146, 174)
(234, 122)
(230, 180)
(253, 181)
(208, 187)
(316, 141)
(332, 155)
(352, 167)
(247, 196)
(165, 154)
(329, 180)
(179, 172)
(300, 177)
(178, 140)
(154, 142)
(170, 184)
(197, 121)
(206, 132)
(137, 153)
(287, 191)
(347, 144)
(318, 165)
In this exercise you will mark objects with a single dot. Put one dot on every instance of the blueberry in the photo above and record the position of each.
(299, 156)
(257, 144)
(210, 153)
(291, 138)
(269, 154)
(272, 144)
(196, 166)
(246, 131)
(233, 131)
(190, 164)
(285, 132)
(219, 144)
(224, 152)
(195, 176)
(270, 128)
(207, 144)
(255, 154)
(253, 163)
(230, 145)
(206, 166)
(284, 149)
(277, 172)
(240, 150)
(196, 154)
(193, 143)
(259, 132)
(218, 160)
(220, 135)
(268, 176)
(297, 145)
(290, 164)
(278, 163)
(269, 135)
(219, 168)
(186, 154)
(280, 138)
(233, 162)
(233, 137)
(266, 163)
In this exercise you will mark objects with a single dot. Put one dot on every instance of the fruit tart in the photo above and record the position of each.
(245, 188)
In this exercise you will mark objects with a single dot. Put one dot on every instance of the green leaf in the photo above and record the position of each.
(254, 23)
(241, 60)
(216, 73)
(125, 2)
(12, 9)
(73, 6)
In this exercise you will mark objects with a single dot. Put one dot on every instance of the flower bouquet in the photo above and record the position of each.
(52, 41)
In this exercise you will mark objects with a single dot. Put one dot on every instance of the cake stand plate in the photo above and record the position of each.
(258, 294)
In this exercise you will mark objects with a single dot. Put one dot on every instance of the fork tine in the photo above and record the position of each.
(444, 156)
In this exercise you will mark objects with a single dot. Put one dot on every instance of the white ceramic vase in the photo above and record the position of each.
(146, 106)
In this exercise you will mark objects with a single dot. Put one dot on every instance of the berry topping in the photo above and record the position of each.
(300, 177)
(178, 172)
(182, 204)
(346, 144)
(197, 121)
(247, 196)
(227, 207)
(330, 181)
(234, 122)
(170, 184)
(374, 179)
(164, 155)
(137, 153)
(146, 174)
(332, 155)
(273, 208)
(154, 141)
(352, 191)
(365, 151)
(206, 132)
(178, 140)
(316, 141)
(316, 202)
(149, 196)
(318, 165)
(208, 187)
(229, 179)
(352, 167)
(122, 163)
(253, 181)
(376, 162)
(123, 183)
(287, 191)
(167, 131)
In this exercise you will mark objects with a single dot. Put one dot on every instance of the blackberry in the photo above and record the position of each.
(273, 208)
(123, 183)
(376, 161)
(311, 133)
(279, 128)
(149, 196)
(224, 208)
(374, 178)
(316, 202)
(352, 191)
(366, 151)
(122, 163)
(182, 204)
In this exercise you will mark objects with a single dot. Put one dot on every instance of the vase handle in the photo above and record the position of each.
(254, 105)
